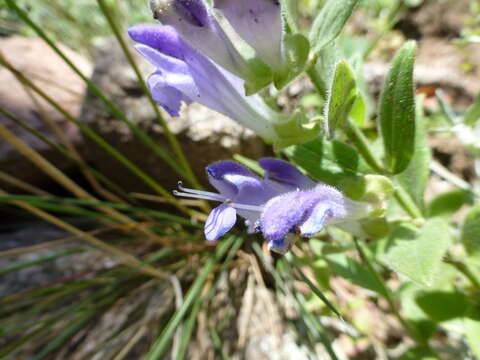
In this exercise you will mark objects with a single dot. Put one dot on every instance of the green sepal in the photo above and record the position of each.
(295, 129)
(376, 228)
(372, 189)
(259, 77)
(294, 57)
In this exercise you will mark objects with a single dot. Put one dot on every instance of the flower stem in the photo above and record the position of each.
(407, 203)
(465, 270)
(362, 144)
(390, 21)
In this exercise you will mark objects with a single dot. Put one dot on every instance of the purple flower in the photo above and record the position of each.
(283, 204)
(184, 75)
(196, 24)
(259, 23)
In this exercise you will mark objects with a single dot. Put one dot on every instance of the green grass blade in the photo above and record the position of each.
(315, 289)
(162, 342)
(112, 108)
(170, 137)
(42, 260)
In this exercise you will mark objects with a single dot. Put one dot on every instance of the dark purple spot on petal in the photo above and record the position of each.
(193, 11)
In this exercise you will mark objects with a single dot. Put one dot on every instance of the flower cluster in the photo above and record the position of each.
(195, 61)
(283, 204)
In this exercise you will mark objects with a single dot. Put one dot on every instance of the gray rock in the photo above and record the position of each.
(48, 272)
(34, 59)
(205, 136)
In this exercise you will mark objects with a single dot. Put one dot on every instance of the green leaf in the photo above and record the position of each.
(359, 111)
(472, 329)
(442, 305)
(419, 353)
(449, 203)
(397, 110)
(471, 232)
(415, 315)
(350, 269)
(341, 97)
(415, 177)
(327, 161)
(324, 69)
(329, 22)
(473, 112)
(418, 253)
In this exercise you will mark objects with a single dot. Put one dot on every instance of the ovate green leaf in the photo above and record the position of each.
(449, 203)
(443, 305)
(418, 253)
(397, 111)
(327, 161)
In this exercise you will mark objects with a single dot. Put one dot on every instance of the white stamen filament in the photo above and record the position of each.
(206, 195)
(246, 207)
(212, 196)
(209, 195)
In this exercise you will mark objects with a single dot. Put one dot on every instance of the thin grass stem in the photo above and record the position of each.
(127, 258)
(112, 108)
(168, 134)
(161, 344)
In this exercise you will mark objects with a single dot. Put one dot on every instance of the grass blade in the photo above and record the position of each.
(160, 345)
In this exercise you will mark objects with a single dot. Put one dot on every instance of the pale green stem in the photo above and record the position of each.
(465, 270)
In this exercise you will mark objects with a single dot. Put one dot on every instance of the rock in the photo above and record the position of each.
(42, 274)
(205, 136)
(34, 59)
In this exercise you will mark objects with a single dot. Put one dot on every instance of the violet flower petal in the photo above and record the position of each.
(282, 246)
(193, 11)
(220, 220)
(197, 25)
(165, 39)
(316, 221)
(218, 171)
(284, 213)
(286, 174)
(288, 212)
(181, 67)
(167, 96)
(259, 23)
(239, 184)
